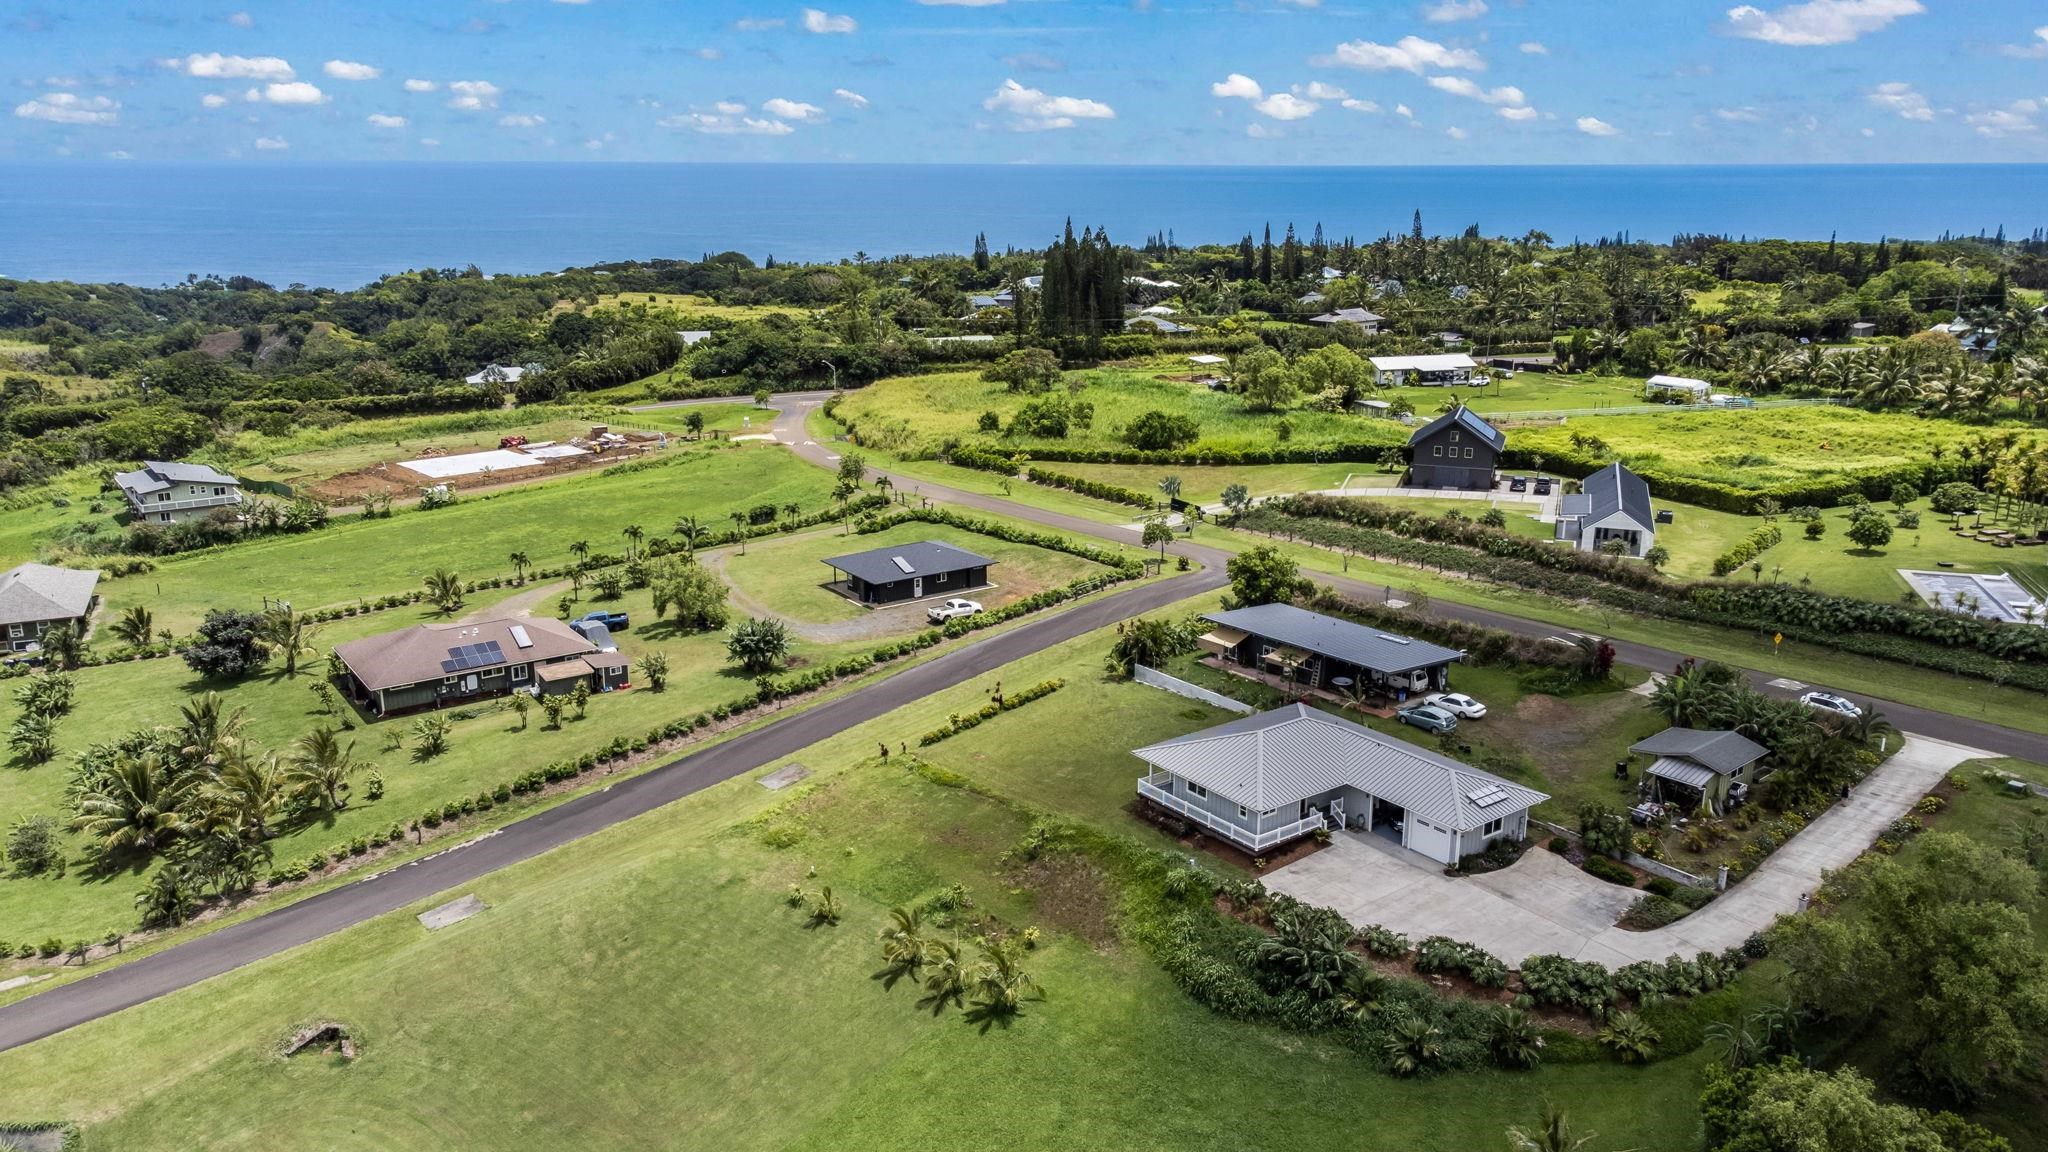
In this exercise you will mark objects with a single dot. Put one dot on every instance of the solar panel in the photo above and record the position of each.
(463, 657)
(902, 564)
(1487, 797)
(520, 637)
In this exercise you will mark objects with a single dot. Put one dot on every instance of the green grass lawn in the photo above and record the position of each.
(1525, 392)
(648, 987)
(787, 576)
(368, 558)
(1205, 485)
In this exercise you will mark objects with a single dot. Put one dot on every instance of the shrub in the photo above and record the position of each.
(1748, 548)
(1610, 871)
(1567, 983)
(1652, 912)
(1630, 1039)
(1443, 954)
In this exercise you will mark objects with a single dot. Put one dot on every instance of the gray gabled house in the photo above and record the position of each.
(35, 598)
(1455, 450)
(1614, 504)
(909, 572)
(1693, 766)
(162, 492)
(1264, 780)
(1326, 652)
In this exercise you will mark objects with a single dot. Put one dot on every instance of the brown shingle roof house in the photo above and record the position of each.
(430, 665)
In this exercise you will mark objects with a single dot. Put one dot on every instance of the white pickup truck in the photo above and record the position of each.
(952, 610)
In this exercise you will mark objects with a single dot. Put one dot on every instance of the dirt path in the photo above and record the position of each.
(874, 624)
(520, 603)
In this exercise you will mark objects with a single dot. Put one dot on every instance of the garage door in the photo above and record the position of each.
(1430, 840)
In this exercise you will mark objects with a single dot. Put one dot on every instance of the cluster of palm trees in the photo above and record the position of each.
(1936, 378)
(1817, 753)
(200, 792)
(992, 989)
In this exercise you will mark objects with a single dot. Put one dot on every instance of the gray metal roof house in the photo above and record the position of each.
(35, 598)
(162, 492)
(1456, 450)
(1693, 766)
(909, 572)
(1613, 505)
(1365, 321)
(1267, 779)
(1326, 652)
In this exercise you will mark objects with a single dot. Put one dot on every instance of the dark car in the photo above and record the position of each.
(1543, 485)
(1518, 483)
(616, 621)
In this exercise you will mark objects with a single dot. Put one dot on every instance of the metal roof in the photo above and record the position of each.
(1616, 489)
(1431, 362)
(1724, 752)
(923, 557)
(1357, 644)
(1348, 316)
(1282, 757)
(1464, 418)
(41, 592)
(1683, 771)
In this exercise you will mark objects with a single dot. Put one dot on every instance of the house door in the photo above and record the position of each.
(1337, 813)
(469, 683)
(917, 587)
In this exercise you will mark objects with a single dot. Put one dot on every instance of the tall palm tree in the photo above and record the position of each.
(739, 529)
(1892, 381)
(1699, 348)
(581, 551)
(1953, 391)
(519, 562)
(691, 531)
(245, 793)
(208, 731)
(792, 510)
(1843, 373)
(444, 588)
(135, 628)
(290, 632)
(321, 766)
(136, 805)
(633, 534)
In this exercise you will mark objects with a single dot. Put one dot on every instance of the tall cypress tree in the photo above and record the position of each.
(981, 251)
(1266, 257)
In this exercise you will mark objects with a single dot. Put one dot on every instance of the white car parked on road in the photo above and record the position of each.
(1457, 704)
(952, 610)
(1829, 702)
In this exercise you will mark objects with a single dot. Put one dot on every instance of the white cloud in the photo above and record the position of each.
(959, 3)
(70, 108)
(272, 144)
(429, 142)
(727, 124)
(729, 107)
(1463, 86)
(1317, 90)
(120, 154)
(1449, 11)
(1819, 22)
(707, 54)
(1362, 105)
(213, 100)
(2016, 118)
(521, 120)
(2035, 51)
(851, 97)
(1285, 106)
(296, 92)
(380, 120)
(1034, 110)
(242, 20)
(1455, 133)
(825, 24)
(214, 66)
(752, 24)
(472, 95)
(1522, 113)
(783, 109)
(1742, 115)
(1237, 86)
(1409, 54)
(1900, 97)
(351, 70)
(421, 86)
(1594, 126)
(1403, 111)
(1533, 48)
(1304, 3)
(1258, 131)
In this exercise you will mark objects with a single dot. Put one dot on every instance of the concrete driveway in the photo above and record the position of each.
(1544, 905)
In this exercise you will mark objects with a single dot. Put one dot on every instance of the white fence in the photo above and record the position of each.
(1153, 788)
(1157, 679)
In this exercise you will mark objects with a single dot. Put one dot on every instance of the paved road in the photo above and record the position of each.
(288, 927)
(789, 428)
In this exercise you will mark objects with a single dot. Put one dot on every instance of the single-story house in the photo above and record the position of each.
(35, 598)
(1308, 299)
(960, 339)
(1692, 766)
(1614, 504)
(1458, 449)
(909, 572)
(1330, 274)
(1364, 321)
(1325, 652)
(1263, 780)
(1208, 359)
(1862, 329)
(162, 492)
(1697, 389)
(1379, 408)
(1450, 339)
(984, 303)
(434, 665)
(1159, 324)
(1160, 310)
(496, 374)
(1444, 368)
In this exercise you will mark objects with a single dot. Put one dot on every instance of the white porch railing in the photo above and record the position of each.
(1150, 787)
(227, 501)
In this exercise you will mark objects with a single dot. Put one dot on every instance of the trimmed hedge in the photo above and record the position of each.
(1821, 492)
(958, 723)
(1748, 548)
(1600, 867)
(1086, 487)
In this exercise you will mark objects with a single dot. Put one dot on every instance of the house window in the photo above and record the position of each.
(1195, 789)
(163, 497)
(164, 517)
(1437, 451)
(519, 673)
(219, 491)
(941, 577)
(14, 630)
(1454, 437)
(1241, 813)
(1492, 828)
(447, 681)
(1468, 453)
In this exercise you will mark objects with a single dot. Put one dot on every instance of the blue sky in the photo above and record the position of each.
(1056, 81)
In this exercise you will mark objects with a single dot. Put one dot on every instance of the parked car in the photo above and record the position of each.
(1829, 702)
(952, 610)
(1518, 483)
(1427, 717)
(1543, 485)
(616, 621)
(1456, 703)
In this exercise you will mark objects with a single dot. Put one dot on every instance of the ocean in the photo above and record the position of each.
(344, 225)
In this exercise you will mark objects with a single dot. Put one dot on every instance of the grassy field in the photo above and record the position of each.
(657, 960)
(367, 558)
(1525, 392)
(788, 577)
(689, 305)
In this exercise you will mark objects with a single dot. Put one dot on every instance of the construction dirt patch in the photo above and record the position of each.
(1556, 733)
(1073, 894)
(391, 478)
